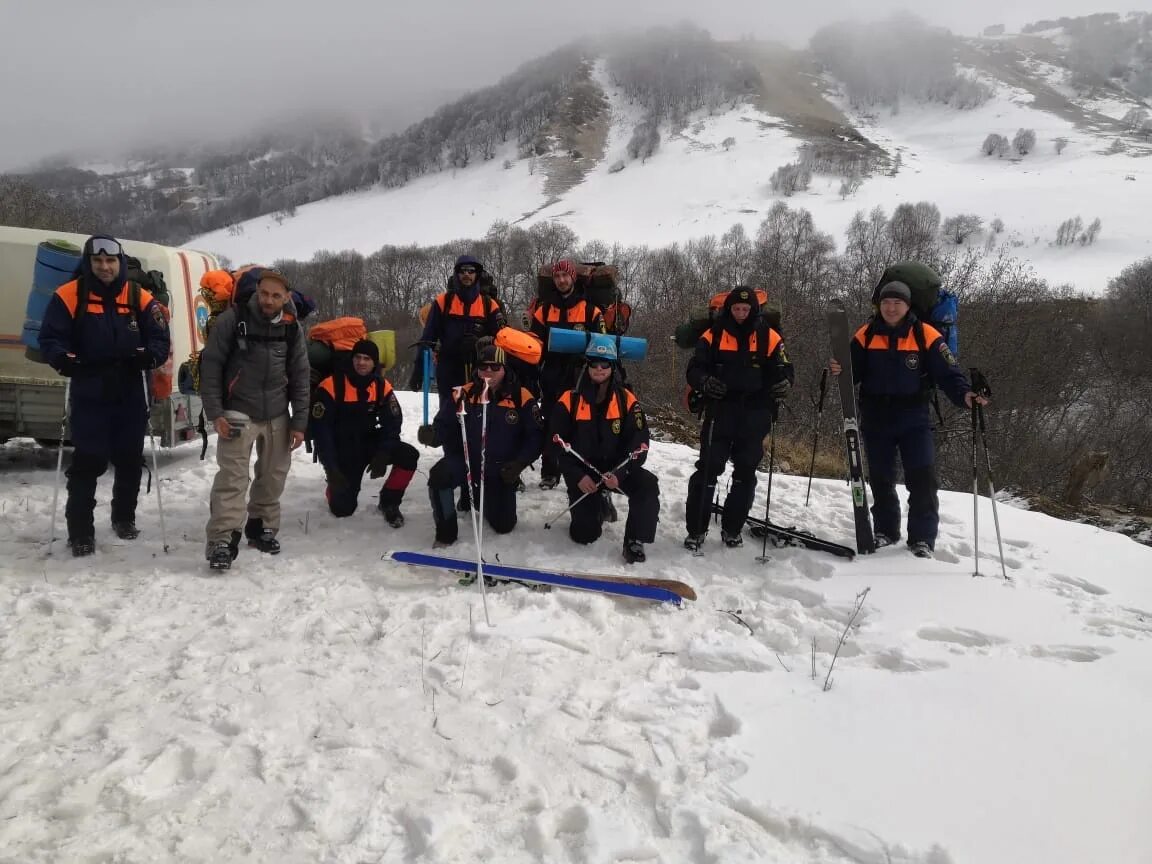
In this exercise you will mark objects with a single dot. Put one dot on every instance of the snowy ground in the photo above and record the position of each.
(693, 187)
(326, 706)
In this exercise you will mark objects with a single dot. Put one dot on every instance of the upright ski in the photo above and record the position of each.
(841, 338)
(662, 590)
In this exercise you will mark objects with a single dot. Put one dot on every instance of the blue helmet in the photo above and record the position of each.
(601, 346)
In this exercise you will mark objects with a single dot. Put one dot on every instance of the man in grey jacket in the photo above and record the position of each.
(253, 368)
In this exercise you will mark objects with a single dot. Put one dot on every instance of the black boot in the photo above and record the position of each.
(634, 552)
(81, 547)
(126, 529)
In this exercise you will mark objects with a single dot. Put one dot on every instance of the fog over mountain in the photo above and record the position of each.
(98, 79)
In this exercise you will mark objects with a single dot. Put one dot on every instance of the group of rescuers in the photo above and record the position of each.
(104, 332)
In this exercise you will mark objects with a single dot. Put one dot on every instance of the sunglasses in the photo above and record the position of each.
(599, 364)
(490, 367)
(471, 270)
(103, 246)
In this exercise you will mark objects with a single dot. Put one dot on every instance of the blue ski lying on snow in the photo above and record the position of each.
(661, 590)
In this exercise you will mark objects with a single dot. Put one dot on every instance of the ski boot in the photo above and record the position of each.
(634, 552)
(921, 549)
(219, 555)
(82, 547)
(693, 542)
(126, 529)
(732, 541)
(393, 516)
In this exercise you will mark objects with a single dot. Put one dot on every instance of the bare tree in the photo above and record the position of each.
(850, 184)
(994, 145)
(997, 225)
(1090, 235)
(1024, 141)
(1069, 231)
(728, 143)
(790, 178)
(1060, 144)
(959, 228)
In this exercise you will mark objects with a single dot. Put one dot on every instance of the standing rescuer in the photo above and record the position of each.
(895, 377)
(101, 331)
(254, 380)
(742, 371)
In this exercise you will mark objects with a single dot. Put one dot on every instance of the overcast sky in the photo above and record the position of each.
(98, 75)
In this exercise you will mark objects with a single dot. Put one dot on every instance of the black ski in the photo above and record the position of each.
(841, 338)
(781, 536)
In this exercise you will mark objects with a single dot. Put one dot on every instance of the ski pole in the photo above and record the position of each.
(155, 466)
(975, 500)
(816, 431)
(980, 386)
(707, 490)
(763, 556)
(426, 365)
(462, 416)
(59, 464)
(483, 478)
(635, 454)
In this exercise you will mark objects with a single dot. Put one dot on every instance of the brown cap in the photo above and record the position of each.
(275, 276)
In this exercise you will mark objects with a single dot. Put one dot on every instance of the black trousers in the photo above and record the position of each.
(499, 499)
(86, 469)
(732, 435)
(643, 492)
(401, 456)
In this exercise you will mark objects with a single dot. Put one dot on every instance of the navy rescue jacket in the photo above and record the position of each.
(98, 345)
(602, 432)
(352, 417)
(515, 427)
(892, 369)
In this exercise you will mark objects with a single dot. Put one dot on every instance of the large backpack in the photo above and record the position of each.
(689, 332)
(933, 304)
(597, 283)
(221, 290)
(931, 301)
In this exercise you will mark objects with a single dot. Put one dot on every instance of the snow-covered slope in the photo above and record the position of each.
(324, 705)
(694, 186)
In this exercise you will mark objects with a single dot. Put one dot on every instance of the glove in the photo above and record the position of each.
(428, 436)
(378, 467)
(68, 365)
(144, 359)
(781, 389)
(336, 479)
(510, 472)
(713, 388)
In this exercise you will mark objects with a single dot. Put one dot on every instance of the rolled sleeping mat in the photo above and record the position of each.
(386, 341)
(56, 263)
(520, 344)
(576, 342)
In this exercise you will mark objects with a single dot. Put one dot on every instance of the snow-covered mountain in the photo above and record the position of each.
(324, 705)
(713, 172)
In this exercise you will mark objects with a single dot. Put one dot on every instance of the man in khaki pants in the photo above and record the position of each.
(254, 366)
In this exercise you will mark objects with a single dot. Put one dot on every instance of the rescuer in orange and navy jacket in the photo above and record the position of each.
(602, 421)
(104, 333)
(895, 359)
(502, 449)
(741, 370)
(355, 424)
(567, 309)
(458, 318)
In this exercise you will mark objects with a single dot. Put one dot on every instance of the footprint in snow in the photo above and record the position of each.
(961, 636)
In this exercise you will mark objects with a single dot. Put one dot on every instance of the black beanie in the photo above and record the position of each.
(369, 348)
(742, 294)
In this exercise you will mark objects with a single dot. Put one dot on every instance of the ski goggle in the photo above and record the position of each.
(599, 364)
(104, 246)
(490, 367)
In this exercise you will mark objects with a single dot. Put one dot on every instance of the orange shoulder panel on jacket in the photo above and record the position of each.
(328, 386)
(69, 292)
